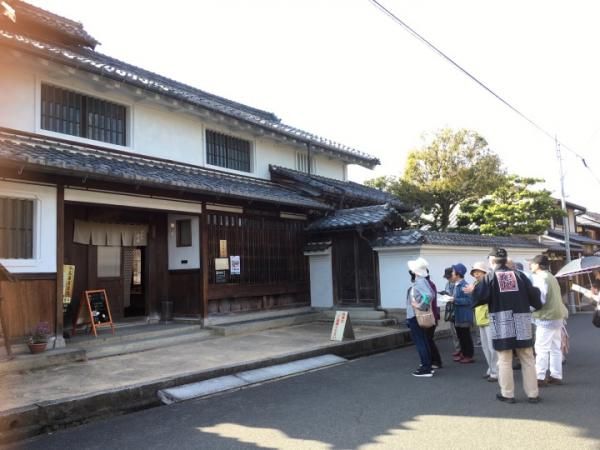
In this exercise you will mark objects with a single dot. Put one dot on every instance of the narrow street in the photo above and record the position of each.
(367, 403)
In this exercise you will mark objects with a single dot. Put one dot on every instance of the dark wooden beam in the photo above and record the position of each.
(204, 261)
(60, 261)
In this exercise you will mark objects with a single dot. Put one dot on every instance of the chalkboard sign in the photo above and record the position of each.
(94, 311)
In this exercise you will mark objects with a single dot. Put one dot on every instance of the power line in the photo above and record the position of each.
(480, 83)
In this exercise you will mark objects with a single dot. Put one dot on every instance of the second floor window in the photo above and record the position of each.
(302, 163)
(227, 151)
(69, 112)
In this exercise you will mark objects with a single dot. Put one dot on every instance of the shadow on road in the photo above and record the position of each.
(372, 402)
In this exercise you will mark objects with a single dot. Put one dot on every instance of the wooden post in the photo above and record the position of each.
(60, 261)
(5, 276)
(204, 260)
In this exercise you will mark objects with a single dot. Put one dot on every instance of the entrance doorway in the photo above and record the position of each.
(354, 271)
(134, 299)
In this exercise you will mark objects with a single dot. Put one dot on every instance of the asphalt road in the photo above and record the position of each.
(370, 403)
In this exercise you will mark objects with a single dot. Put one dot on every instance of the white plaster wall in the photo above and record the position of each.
(44, 233)
(182, 258)
(394, 280)
(393, 270)
(17, 98)
(153, 129)
(321, 281)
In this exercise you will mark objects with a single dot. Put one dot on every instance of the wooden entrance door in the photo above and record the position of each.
(354, 271)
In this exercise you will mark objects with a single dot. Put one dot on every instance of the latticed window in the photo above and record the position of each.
(302, 163)
(68, 112)
(227, 151)
(16, 228)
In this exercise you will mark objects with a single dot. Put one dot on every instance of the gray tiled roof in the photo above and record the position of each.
(97, 63)
(33, 14)
(38, 153)
(346, 190)
(317, 246)
(578, 238)
(354, 217)
(419, 237)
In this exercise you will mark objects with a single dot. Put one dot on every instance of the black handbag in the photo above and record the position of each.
(449, 312)
(596, 318)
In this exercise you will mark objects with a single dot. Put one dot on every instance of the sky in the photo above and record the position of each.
(344, 70)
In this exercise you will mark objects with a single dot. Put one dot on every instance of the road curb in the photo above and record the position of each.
(44, 417)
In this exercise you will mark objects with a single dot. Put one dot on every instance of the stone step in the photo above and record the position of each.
(356, 314)
(49, 358)
(126, 334)
(251, 326)
(147, 343)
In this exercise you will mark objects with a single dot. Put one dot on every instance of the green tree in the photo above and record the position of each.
(453, 167)
(515, 207)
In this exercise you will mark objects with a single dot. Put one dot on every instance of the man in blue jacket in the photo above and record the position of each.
(510, 296)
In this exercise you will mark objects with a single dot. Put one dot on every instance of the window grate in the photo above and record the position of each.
(68, 112)
(16, 228)
(227, 151)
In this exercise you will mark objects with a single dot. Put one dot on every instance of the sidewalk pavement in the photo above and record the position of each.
(47, 399)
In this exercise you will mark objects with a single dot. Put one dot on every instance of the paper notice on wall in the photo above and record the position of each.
(222, 248)
(221, 263)
(235, 265)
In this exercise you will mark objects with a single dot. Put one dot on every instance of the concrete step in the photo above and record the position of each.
(49, 358)
(126, 334)
(356, 314)
(147, 343)
(251, 326)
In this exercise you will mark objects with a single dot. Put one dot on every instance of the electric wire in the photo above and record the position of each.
(480, 83)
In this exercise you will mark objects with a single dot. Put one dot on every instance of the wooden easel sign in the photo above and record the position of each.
(94, 311)
(342, 327)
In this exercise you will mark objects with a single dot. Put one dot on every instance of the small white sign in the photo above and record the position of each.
(235, 265)
(342, 327)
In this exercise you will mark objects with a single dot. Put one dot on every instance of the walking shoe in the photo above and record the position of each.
(458, 357)
(534, 399)
(505, 399)
(436, 366)
(492, 379)
(420, 372)
(466, 360)
(486, 376)
(555, 381)
(542, 383)
(456, 353)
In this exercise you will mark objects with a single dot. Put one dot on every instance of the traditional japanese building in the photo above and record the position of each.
(157, 191)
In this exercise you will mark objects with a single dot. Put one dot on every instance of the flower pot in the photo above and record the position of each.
(37, 347)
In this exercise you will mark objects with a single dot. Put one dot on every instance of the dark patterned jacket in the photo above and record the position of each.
(509, 295)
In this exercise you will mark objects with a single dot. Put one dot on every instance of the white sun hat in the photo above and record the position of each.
(418, 266)
(479, 265)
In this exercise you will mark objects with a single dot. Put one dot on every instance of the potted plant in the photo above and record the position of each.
(39, 338)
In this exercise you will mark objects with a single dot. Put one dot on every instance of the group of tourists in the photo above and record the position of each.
(503, 302)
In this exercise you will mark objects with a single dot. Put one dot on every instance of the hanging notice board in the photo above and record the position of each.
(94, 311)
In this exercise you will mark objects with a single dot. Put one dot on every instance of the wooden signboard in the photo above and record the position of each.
(5, 276)
(342, 327)
(94, 311)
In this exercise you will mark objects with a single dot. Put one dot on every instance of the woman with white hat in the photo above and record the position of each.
(482, 320)
(419, 296)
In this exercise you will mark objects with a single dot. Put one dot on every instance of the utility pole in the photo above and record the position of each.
(567, 232)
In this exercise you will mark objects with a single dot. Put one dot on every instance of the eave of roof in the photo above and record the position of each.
(97, 63)
(351, 218)
(41, 154)
(419, 237)
(338, 188)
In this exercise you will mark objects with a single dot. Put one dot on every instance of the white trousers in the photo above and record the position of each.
(488, 351)
(548, 354)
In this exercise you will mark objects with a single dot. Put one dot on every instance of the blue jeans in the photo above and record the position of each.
(420, 339)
